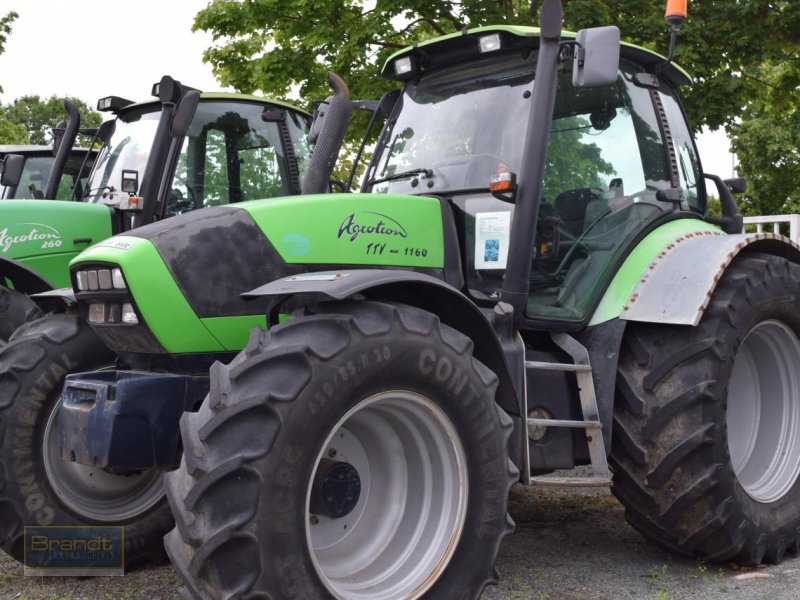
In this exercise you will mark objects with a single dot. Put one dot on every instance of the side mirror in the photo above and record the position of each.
(12, 170)
(184, 114)
(597, 57)
(737, 185)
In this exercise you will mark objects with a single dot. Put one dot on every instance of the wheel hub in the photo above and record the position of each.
(336, 489)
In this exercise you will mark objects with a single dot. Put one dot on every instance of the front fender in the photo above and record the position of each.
(409, 287)
(678, 284)
(22, 278)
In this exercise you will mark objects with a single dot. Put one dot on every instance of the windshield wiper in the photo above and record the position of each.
(402, 175)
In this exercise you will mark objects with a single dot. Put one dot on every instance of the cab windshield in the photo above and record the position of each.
(128, 148)
(458, 126)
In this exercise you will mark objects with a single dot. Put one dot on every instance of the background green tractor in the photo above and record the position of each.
(237, 147)
(194, 150)
(534, 283)
(35, 167)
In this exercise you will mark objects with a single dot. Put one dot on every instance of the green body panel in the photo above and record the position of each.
(333, 229)
(353, 229)
(233, 332)
(519, 30)
(633, 268)
(163, 307)
(46, 234)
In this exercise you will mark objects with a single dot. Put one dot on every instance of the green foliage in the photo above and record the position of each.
(38, 116)
(12, 133)
(5, 29)
(281, 46)
(767, 142)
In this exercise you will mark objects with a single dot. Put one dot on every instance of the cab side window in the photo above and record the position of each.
(689, 176)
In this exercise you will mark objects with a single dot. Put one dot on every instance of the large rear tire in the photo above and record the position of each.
(37, 487)
(357, 453)
(706, 445)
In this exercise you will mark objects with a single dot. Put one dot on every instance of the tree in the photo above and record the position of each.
(10, 133)
(281, 45)
(767, 142)
(39, 116)
(5, 31)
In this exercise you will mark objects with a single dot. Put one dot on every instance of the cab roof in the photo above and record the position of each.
(225, 96)
(455, 47)
(30, 149)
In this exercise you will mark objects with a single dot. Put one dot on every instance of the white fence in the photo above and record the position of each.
(773, 224)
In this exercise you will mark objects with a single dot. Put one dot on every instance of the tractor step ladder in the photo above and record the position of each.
(591, 417)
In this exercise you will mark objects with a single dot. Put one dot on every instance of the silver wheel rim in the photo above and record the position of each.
(763, 415)
(92, 492)
(403, 531)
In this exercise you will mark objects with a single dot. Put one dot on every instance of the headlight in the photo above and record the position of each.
(100, 279)
(110, 313)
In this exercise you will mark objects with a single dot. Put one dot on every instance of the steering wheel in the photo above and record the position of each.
(176, 203)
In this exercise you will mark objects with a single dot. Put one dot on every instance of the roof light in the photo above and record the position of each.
(489, 43)
(112, 103)
(403, 66)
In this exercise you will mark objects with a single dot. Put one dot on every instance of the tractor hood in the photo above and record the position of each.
(194, 267)
(46, 234)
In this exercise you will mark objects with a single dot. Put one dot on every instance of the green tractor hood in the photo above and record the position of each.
(185, 275)
(46, 234)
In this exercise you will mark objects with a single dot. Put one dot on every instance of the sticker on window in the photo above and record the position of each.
(492, 230)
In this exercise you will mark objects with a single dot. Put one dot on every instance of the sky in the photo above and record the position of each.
(95, 48)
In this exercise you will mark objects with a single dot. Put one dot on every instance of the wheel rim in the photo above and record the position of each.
(763, 415)
(402, 532)
(92, 492)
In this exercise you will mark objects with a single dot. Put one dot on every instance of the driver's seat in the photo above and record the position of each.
(571, 207)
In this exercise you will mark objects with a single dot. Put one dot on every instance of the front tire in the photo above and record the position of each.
(15, 309)
(356, 453)
(706, 448)
(37, 487)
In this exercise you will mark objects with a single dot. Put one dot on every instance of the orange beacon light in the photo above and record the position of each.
(676, 12)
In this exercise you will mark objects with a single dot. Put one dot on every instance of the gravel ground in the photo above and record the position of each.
(570, 544)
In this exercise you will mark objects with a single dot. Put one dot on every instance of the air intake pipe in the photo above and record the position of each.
(327, 131)
(65, 144)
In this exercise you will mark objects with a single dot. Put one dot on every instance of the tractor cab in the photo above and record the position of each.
(620, 160)
(182, 151)
(234, 148)
(36, 165)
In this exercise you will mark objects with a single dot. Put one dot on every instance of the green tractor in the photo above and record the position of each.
(35, 166)
(194, 150)
(529, 281)
(237, 147)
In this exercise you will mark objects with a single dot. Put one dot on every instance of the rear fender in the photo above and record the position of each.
(678, 285)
